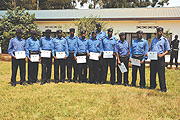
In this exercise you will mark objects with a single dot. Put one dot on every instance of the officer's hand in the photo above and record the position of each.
(102, 52)
(99, 56)
(75, 58)
(142, 62)
(40, 51)
(119, 62)
(146, 54)
(65, 57)
(55, 57)
(88, 54)
(114, 53)
(29, 59)
(160, 55)
(129, 60)
(39, 57)
(14, 57)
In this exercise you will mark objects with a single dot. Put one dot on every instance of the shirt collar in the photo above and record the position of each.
(59, 39)
(18, 39)
(33, 39)
(82, 39)
(121, 41)
(49, 38)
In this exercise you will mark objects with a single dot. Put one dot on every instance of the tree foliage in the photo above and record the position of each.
(13, 20)
(89, 24)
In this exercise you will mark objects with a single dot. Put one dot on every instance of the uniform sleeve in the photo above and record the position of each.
(88, 46)
(75, 48)
(115, 48)
(146, 51)
(40, 44)
(167, 46)
(66, 48)
(150, 47)
(101, 48)
(53, 48)
(10, 48)
(131, 51)
(27, 48)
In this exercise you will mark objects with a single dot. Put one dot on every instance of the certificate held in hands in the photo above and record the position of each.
(108, 54)
(94, 56)
(60, 55)
(45, 53)
(135, 62)
(152, 55)
(20, 54)
(81, 59)
(34, 58)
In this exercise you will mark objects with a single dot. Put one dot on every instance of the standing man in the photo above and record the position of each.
(160, 45)
(82, 47)
(32, 47)
(71, 60)
(139, 48)
(122, 49)
(174, 53)
(108, 44)
(100, 36)
(94, 45)
(59, 45)
(46, 44)
(17, 44)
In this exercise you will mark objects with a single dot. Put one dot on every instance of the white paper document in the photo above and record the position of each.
(45, 53)
(108, 54)
(94, 56)
(20, 54)
(81, 59)
(135, 62)
(122, 68)
(60, 55)
(152, 56)
(34, 58)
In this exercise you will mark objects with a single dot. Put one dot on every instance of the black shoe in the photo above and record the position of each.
(13, 85)
(152, 87)
(30, 83)
(24, 84)
(69, 80)
(42, 83)
(132, 85)
(118, 83)
(75, 81)
(48, 81)
(142, 87)
(96, 83)
(112, 83)
(62, 81)
(125, 84)
(163, 91)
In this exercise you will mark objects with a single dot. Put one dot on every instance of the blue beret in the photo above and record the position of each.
(72, 30)
(121, 34)
(160, 29)
(47, 31)
(98, 24)
(58, 31)
(94, 32)
(139, 32)
(110, 30)
(83, 32)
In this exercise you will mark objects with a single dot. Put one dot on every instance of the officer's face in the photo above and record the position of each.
(83, 35)
(94, 35)
(59, 35)
(122, 37)
(176, 37)
(139, 35)
(98, 28)
(19, 35)
(33, 35)
(72, 33)
(48, 34)
(110, 33)
(159, 33)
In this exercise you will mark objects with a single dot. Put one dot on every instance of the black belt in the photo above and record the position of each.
(71, 52)
(123, 56)
(33, 52)
(81, 53)
(175, 49)
(134, 55)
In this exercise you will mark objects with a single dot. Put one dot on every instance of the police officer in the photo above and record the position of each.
(174, 53)
(94, 45)
(100, 36)
(17, 44)
(109, 45)
(32, 47)
(82, 46)
(71, 60)
(46, 44)
(59, 45)
(122, 49)
(160, 45)
(138, 50)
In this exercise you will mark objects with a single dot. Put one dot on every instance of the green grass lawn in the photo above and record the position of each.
(88, 101)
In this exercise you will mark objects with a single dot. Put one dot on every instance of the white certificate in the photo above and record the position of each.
(152, 55)
(122, 67)
(34, 58)
(20, 54)
(81, 59)
(108, 54)
(135, 62)
(94, 56)
(45, 53)
(60, 55)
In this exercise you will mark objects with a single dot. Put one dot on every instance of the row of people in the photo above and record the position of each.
(98, 43)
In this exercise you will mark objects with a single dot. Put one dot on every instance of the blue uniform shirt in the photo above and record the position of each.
(100, 36)
(72, 44)
(122, 47)
(160, 46)
(46, 44)
(109, 44)
(82, 45)
(139, 48)
(60, 45)
(32, 45)
(16, 45)
(94, 46)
